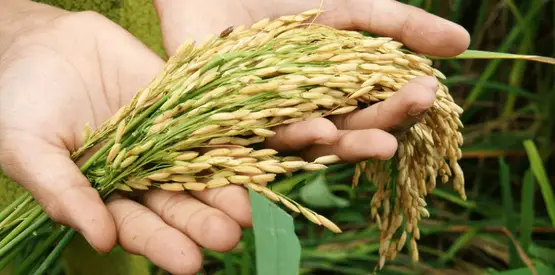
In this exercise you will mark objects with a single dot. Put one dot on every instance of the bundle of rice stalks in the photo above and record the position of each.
(201, 122)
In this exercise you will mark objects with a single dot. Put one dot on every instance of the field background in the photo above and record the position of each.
(506, 225)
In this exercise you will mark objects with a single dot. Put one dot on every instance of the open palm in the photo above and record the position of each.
(68, 69)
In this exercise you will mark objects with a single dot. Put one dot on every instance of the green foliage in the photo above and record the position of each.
(317, 194)
(278, 248)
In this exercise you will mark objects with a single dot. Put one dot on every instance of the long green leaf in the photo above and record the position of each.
(494, 85)
(541, 176)
(526, 271)
(507, 198)
(458, 245)
(527, 215)
(278, 250)
(229, 267)
(476, 54)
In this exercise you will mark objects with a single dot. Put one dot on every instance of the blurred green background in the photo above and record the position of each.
(508, 222)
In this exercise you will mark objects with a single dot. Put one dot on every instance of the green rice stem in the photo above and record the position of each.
(53, 256)
(14, 205)
(16, 213)
(21, 232)
(40, 249)
(14, 253)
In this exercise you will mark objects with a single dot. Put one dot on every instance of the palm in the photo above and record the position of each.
(60, 99)
(65, 83)
(76, 68)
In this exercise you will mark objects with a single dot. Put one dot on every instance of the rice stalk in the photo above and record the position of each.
(202, 121)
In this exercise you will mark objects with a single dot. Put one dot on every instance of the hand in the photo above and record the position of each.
(60, 70)
(365, 134)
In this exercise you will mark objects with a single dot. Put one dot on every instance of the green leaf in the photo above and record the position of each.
(491, 85)
(416, 3)
(526, 271)
(541, 176)
(349, 216)
(317, 194)
(454, 198)
(475, 54)
(286, 185)
(246, 265)
(458, 245)
(507, 198)
(499, 142)
(278, 250)
(544, 254)
(527, 210)
(229, 267)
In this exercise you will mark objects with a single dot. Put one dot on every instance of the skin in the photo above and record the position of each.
(59, 70)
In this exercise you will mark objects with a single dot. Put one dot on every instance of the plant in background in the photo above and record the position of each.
(200, 124)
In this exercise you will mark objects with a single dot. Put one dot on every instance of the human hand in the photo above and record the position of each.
(60, 70)
(364, 134)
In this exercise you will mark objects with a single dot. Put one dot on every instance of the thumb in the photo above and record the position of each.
(57, 184)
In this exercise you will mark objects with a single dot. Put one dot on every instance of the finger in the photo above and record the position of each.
(301, 134)
(140, 231)
(357, 145)
(397, 113)
(417, 29)
(233, 200)
(207, 226)
(58, 186)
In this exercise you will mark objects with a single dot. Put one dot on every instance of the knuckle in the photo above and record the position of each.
(214, 219)
(171, 211)
(128, 221)
(54, 210)
(346, 121)
(152, 241)
(226, 197)
(218, 196)
(168, 207)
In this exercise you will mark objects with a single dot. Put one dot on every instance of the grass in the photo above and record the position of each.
(506, 225)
